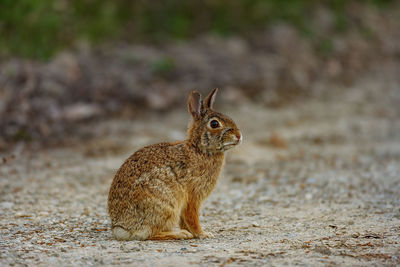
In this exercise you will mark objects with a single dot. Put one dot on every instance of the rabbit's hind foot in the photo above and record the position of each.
(123, 234)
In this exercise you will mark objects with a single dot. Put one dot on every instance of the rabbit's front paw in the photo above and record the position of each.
(205, 235)
(184, 234)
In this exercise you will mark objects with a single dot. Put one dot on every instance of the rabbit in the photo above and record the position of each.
(165, 184)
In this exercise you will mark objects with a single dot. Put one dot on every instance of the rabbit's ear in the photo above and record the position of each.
(194, 104)
(209, 100)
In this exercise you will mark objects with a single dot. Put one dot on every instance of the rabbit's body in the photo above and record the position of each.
(160, 170)
(163, 184)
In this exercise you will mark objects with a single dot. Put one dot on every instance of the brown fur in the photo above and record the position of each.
(163, 184)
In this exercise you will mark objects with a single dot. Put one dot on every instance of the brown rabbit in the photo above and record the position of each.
(162, 184)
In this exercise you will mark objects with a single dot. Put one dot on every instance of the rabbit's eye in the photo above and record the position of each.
(214, 124)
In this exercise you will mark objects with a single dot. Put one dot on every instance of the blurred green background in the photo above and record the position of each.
(67, 62)
(39, 28)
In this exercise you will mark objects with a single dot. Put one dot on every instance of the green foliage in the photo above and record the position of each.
(39, 28)
(163, 67)
(325, 46)
(28, 26)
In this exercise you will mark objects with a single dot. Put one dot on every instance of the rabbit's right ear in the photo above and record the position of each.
(194, 104)
(210, 99)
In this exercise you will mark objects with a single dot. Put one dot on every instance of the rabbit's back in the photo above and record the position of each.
(147, 158)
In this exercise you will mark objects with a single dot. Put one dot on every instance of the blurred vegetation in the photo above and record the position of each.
(39, 28)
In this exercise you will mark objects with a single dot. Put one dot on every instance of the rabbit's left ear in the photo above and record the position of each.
(194, 104)
(209, 100)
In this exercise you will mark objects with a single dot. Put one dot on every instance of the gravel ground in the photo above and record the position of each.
(314, 183)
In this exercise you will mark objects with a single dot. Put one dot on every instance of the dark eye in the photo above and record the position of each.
(214, 124)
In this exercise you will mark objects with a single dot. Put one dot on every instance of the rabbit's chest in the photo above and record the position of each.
(205, 176)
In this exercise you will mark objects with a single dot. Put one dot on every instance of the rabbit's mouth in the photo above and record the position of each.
(231, 144)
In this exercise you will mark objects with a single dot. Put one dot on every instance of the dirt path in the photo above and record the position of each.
(323, 190)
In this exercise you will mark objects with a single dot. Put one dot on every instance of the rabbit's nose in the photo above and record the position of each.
(239, 137)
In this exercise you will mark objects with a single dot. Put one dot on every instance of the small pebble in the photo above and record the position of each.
(6, 205)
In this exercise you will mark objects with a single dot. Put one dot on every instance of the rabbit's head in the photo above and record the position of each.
(210, 131)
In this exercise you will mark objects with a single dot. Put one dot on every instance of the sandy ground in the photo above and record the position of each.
(314, 183)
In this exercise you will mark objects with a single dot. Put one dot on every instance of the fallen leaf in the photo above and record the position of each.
(277, 141)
